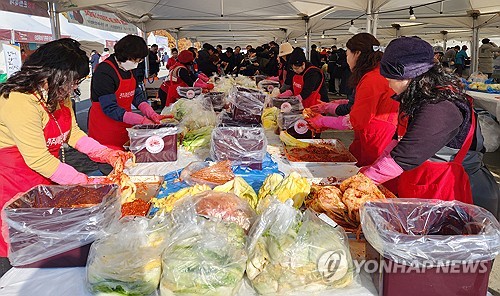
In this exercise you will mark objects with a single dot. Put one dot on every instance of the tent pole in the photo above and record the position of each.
(375, 24)
(146, 59)
(177, 40)
(445, 39)
(474, 44)
(308, 40)
(369, 9)
(12, 36)
(55, 26)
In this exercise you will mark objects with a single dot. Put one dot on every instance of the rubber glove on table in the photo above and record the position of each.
(320, 123)
(384, 168)
(147, 110)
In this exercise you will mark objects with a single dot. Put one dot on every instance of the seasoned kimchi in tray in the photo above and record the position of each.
(319, 152)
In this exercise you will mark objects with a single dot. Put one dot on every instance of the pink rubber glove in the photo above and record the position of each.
(98, 152)
(135, 119)
(320, 122)
(286, 94)
(147, 110)
(203, 77)
(200, 83)
(66, 174)
(383, 169)
(273, 78)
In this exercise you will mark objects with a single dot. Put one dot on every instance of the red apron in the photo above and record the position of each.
(170, 85)
(298, 85)
(103, 128)
(15, 175)
(440, 180)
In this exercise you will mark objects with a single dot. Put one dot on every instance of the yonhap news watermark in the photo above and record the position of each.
(333, 265)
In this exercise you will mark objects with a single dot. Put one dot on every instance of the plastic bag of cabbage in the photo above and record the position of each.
(294, 252)
(206, 254)
(127, 260)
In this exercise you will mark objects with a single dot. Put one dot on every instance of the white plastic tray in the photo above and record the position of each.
(335, 142)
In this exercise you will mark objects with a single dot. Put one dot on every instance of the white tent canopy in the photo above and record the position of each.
(260, 20)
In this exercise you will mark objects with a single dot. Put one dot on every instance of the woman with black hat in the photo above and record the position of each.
(114, 90)
(437, 129)
(308, 81)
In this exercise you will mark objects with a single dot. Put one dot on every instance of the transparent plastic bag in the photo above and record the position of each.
(49, 220)
(218, 99)
(290, 251)
(217, 206)
(195, 114)
(247, 105)
(420, 232)
(478, 76)
(491, 132)
(288, 105)
(289, 120)
(127, 260)
(186, 174)
(268, 85)
(205, 255)
(154, 143)
(189, 92)
(240, 145)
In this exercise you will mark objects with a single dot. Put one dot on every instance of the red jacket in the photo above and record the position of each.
(373, 99)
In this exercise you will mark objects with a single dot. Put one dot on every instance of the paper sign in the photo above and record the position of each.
(12, 55)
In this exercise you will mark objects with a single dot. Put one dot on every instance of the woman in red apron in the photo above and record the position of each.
(439, 131)
(308, 81)
(37, 121)
(373, 116)
(181, 76)
(113, 92)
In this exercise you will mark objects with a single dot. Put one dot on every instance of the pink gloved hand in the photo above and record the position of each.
(135, 119)
(147, 110)
(66, 174)
(200, 83)
(320, 122)
(383, 169)
(273, 78)
(203, 77)
(286, 94)
(100, 153)
(328, 108)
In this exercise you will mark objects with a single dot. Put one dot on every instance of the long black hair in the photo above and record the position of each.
(60, 64)
(436, 85)
(368, 59)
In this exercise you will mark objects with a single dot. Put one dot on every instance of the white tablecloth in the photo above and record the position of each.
(71, 282)
(486, 101)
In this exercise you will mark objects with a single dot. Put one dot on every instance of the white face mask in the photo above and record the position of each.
(129, 65)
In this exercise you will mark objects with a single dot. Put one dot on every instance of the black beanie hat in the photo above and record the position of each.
(406, 58)
(297, 57)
